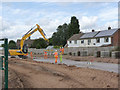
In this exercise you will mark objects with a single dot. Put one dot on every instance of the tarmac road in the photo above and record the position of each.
(95, 65)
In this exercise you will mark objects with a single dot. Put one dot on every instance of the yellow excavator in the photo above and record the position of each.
(23, 51)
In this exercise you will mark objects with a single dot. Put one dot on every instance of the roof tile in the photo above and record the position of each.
(89, 35)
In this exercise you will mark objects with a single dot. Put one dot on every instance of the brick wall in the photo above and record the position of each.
(116, 38)
(119, 37)
(91, 50)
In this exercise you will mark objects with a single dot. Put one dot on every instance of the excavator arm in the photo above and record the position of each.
(28, 34)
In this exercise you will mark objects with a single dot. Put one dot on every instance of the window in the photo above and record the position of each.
(89, 41)
(106, 39)
(82, 41)
(70, 42)
(75, 41)
(98, 40)
(93, 43)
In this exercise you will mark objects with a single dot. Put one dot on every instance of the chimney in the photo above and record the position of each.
(93, 30)
(109, 28)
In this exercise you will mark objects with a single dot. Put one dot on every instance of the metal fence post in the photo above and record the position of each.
(6, 63)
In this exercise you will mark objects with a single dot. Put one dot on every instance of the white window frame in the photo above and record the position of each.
(105, 39)
(97, 40)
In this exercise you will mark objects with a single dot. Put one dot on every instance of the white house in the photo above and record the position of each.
(108, 37)
(74, 40)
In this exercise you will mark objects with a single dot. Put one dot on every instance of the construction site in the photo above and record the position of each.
(57, 68)
(74, 57)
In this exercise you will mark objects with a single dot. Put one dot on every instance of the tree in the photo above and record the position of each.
(38, 46)
(39, 43)
(12, 44)
(64, 32)
(55, 38)
(73, 26)
(50, 41)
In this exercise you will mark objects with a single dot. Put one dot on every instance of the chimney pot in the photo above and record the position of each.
(93, 30)
(109, 28)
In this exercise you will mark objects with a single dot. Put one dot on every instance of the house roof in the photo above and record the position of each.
(75, 36)
(106, 33)
(96, 34)
(89, 35)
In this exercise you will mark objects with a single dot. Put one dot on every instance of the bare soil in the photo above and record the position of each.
(32, 74)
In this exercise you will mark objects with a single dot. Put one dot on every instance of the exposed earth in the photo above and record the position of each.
(25, 73)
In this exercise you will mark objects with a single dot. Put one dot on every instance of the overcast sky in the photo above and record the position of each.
(18, 17)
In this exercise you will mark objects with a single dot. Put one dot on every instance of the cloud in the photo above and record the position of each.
(112, 24)
(88, 22)
(50, 25)
(14, 32)
(108, 14)
(106, 17)
(17, 30)
(0, 27)
(23, 19)
(47, 20)
(60, 1)
(14, 11)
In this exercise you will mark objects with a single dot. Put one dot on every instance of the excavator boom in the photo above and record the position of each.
(20, 52)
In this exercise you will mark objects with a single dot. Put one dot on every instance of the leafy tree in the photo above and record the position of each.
(54, 38)
(12, 44)
(50, 41)
(39, 43)
(60, 37)
(64, 32)
(38, 46)
(73, 26)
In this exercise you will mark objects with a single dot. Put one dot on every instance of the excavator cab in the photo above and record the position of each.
(25, 48)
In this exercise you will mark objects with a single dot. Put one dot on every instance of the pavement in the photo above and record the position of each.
(94, 65)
